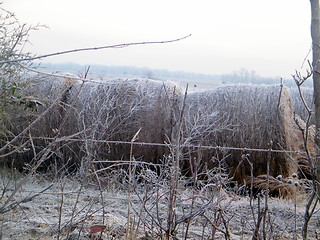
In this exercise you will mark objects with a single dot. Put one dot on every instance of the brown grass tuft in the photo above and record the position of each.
(285, 188)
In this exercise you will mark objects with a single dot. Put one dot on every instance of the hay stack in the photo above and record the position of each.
(239, 116)
(120, 109)
(54, 94)
(246, 116)
(94, 112)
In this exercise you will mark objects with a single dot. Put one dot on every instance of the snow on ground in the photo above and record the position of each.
(67, 210)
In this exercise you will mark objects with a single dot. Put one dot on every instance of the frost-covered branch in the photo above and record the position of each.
(121, 45)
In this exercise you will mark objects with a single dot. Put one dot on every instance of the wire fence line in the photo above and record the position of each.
(169, 145)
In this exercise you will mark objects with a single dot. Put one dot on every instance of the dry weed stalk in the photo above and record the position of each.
(130, 229)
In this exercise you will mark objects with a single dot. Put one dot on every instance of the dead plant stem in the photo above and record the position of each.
(131, 159)
(60, 211)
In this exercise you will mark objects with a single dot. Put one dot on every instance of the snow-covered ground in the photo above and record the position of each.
(68, 209)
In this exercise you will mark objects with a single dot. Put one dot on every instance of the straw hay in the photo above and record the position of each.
(248, 116)
(300, 117)
(90, 112)
(123, 107)
(239, 116)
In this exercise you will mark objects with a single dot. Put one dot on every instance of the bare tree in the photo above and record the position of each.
(315, 73)
(315, 34)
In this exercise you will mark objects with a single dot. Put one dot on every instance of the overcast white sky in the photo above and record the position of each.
(271, 37)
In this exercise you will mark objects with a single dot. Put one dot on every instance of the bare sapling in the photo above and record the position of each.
(312, 200)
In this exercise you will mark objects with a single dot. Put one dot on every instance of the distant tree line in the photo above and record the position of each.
(236, 77)
(129, 71)
(245, 76)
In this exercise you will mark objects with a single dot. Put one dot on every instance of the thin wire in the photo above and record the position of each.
(172, 145)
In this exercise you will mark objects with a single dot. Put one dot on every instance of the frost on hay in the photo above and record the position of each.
(244, 116)
(88, 113)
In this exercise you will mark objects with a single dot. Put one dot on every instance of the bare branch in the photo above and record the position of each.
(122, 45)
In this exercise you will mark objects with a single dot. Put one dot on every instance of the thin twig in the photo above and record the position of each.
(122, 45)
